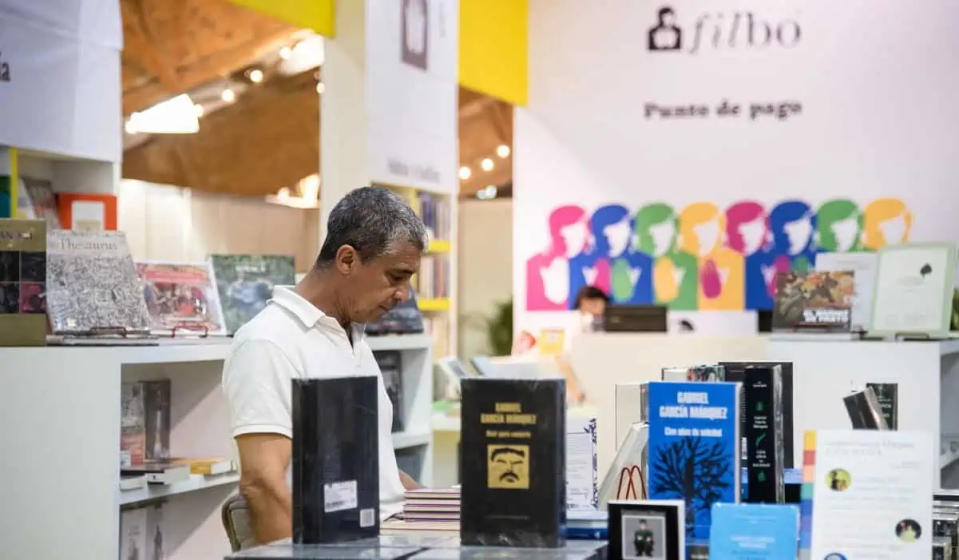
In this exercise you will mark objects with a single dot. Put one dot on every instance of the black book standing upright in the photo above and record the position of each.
(514, 462)
(336, 486)
(735, 371)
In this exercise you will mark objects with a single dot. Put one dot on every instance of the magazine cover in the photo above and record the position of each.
(181, 294)
(23, 319)
(820, 301)
(92, 284)
(245, 284)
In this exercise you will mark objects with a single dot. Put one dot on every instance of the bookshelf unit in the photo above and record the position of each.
(62, 409)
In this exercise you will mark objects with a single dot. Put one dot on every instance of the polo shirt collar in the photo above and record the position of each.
(308, 314)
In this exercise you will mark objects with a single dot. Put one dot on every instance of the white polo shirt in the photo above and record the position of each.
(292, 339)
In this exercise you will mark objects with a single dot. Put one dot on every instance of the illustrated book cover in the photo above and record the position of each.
(513, 454)
(694, 448)
(181, 296)
(23, 276)
(245, 284)
(814, 301)
(754, 532)
(92, 284)
(336, 487)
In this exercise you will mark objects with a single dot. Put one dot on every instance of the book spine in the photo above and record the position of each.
(762, 388)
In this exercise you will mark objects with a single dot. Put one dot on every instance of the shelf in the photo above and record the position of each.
(403, 440)
(400, 342)
(439, 246)
(433, 304)
(445, 423)
(168, 351)
(195, 483)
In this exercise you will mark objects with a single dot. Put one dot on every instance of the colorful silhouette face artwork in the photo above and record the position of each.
(703, 258)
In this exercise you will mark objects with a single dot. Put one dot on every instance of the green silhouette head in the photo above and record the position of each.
(839, 226)
(655, 228)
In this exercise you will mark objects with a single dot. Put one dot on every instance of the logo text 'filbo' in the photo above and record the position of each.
(721, 30)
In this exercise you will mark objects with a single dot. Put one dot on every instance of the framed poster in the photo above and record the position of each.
(650, 529)
(913, 290)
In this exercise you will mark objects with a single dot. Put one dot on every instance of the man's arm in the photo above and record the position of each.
(264, 459)
(408, 482)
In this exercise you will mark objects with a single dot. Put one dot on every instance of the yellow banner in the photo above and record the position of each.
(318, 15)
(493, 48)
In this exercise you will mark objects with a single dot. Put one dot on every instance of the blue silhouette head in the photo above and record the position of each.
(792, 223)
(612, 230)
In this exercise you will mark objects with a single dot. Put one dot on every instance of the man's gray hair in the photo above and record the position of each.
(372, 220)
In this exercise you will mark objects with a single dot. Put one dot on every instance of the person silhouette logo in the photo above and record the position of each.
(666, 35)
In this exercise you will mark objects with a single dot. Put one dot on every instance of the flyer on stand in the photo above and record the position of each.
(913, 292)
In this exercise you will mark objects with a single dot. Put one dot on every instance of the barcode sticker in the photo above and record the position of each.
(367, 517)
(339, 496)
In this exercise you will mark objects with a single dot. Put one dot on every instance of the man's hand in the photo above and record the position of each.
(264, 459)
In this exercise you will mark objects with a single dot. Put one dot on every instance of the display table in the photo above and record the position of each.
(423, 547)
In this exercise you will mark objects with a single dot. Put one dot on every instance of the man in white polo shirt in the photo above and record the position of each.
(372, 248)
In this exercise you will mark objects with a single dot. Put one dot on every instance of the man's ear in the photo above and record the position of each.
(346, 259)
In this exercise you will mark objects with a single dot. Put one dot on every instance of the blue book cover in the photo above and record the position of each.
(753, 532)
(694, 448)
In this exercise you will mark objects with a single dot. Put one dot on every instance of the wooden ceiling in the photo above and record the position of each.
(269, 137)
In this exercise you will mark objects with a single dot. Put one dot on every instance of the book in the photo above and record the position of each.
(207, 466)
(156, 413)
(626, 477)
(863, 266)
(867, 494)
(647, 529)
(390, 363)
(336, 494)
(433, 494)
(158, 472)
(887, 395)
(132, 425)
(513, 458)
(735, 372)
(814, 301)
(762, 434)
(92, 284)
(133, 482)
(23, 276)
(753, 532)
(181, 297)
(154, 534)
(582, 489)
(694, 454)
(133, 534)
(710, 372)
(87, 211)
(43, 200)
(864, 410)
(245, 284)
(395, 526)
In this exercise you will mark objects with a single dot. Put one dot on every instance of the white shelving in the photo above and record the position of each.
(407, 439)
(195, 483)
(399, 342)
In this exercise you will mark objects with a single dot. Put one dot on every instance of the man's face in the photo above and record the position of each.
(379, 284)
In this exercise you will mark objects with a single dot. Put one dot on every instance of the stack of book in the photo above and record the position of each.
(432, 510)
(587, 523)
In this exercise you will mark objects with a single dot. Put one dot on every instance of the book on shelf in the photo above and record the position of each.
(694, 448)
(436, 215)
(513, 457)
(582, 488)
(735, 371)
(141, 533)
(336, 498)
(23, 277)
(762, 434)
(207, 466)
(43, 201)
(433, 279)
(156, 413)
(92, 285)
(245, 284)
(863, 266)
(867, 494)
(705, 372)
(814, 301)
(87, 211)
(865, 412)
(887, 395)
(390, 363)
(133, 482)
(754, 531)
(158, 472)
(181, 298)
(397, 527)
(451, 494)
(132, 425)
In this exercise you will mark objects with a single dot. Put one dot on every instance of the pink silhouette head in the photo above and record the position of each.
(568, 230)
(746, 227)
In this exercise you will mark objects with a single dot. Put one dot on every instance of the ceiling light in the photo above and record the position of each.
(502, 151)
(173, 116)
(320, 88)
(487, 193)
(465, 173)
(228, 95)
(198, 109)
(255, 75)
(487, 164)
(286, 53)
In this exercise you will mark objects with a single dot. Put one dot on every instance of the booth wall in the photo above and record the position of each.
(847, 102)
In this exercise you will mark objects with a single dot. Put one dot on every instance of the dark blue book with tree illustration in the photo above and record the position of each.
(694, 448)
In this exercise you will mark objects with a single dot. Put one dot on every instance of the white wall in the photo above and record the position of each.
(875, 79)
(163, 222)
(485, 268)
